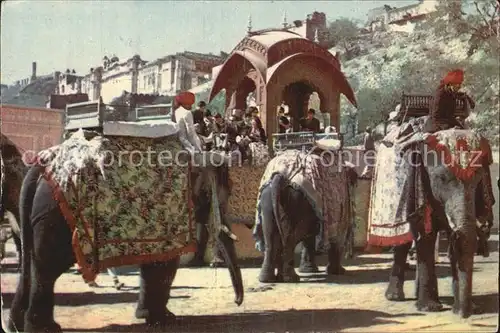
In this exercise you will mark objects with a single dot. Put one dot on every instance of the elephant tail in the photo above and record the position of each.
(277, 184)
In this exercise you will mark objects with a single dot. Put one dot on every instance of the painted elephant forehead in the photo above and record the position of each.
(126, 210)
(463, 151)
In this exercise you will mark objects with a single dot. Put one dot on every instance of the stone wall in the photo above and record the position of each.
(32, 129)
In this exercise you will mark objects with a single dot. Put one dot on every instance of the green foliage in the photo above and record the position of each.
(341, 32)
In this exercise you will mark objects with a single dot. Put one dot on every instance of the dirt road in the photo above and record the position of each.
(203, 301)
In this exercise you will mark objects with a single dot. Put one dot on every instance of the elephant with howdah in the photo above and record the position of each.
(460, 199)
(288, 216)
(47, 245)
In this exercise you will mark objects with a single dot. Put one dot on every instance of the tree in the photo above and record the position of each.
(478, 19)
(341, 33)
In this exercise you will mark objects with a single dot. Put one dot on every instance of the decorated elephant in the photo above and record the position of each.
(302, 196)
(12, 172)
(423, 184)
(109, 214)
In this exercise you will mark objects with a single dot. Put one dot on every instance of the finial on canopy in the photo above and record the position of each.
(285, 24)
(249, 27)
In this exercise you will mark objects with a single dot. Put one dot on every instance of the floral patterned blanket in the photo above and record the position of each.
(245, 179)
(324, 183)
(121, 210)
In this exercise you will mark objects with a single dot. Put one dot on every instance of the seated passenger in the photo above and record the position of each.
(283, 121)
(443, 111)
(257, 133)
(310, 123)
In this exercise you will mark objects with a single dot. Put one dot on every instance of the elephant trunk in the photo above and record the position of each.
(276, 186)
(227, 249)
(224, 236)
(463, 248)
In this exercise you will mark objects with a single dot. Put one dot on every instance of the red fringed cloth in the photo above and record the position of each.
(120, 211)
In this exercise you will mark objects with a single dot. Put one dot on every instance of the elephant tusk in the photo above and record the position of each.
(229, 233)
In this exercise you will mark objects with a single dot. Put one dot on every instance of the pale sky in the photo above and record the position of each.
(78, 34)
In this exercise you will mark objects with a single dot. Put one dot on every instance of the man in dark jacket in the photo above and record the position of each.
(443, 110)
(199, 118)
(310, 123)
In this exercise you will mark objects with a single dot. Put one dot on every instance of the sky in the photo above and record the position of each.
(62, 35)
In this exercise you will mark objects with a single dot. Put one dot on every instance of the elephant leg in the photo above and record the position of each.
(202, 215)
(52, 256)
(395, 290)
(155, 284)
(17, 243)
(202, 240)
(289, 274)
(427, 299)
(334, 266)
(278, 259)
(308, 258)
(272, 239)
(172, 267)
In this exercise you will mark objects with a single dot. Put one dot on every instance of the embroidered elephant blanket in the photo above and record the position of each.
(397, 198)
(245, 178)
(322, 180)
(123, 207)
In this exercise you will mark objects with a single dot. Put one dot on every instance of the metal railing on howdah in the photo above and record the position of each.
(301, 140)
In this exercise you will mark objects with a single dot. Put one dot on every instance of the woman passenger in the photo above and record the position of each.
(257, 133)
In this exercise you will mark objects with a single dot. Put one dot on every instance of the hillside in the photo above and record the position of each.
(392, 63)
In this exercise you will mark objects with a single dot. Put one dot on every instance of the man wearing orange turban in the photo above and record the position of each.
(443, 112)
(183, 116)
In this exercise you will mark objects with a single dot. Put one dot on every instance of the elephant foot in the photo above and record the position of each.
(474, 309)
(429, 306)
(308, 268)
(16, 322)
(394, 290)
(338, 270)
(291, 277)
(196, 263)
(217, 264)
(267, 277)
(51, 327)
(144, 314)
(409, 267)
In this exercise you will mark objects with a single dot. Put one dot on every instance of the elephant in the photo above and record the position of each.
(288, 217)
(452, 194)
(13, 171)
(46, 242)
